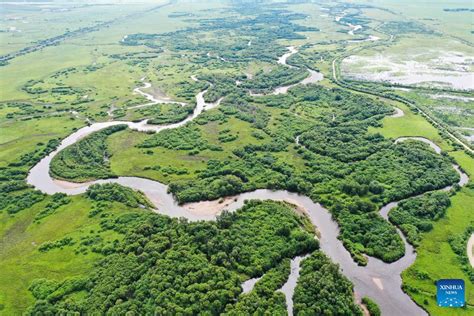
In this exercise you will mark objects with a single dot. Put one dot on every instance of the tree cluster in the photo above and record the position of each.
(167, 266)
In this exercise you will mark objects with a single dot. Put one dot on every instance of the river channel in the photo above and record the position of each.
(378, 280)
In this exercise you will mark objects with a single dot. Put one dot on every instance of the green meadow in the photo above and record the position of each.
(57, 253)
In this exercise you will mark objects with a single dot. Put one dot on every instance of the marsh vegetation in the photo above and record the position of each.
(332, 141)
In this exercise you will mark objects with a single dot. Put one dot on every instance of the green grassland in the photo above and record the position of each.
(455, 113)
(123, 147)
(21, 261)
(246, 143)
(20, 137)
(436, 259)
(433, 15)
(71, 16)
(410, 124)
(417, 45)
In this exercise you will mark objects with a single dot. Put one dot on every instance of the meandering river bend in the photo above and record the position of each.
(313, 76)
(378, 280)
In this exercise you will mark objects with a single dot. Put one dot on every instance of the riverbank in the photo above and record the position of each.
(378, 280)
(470, 250)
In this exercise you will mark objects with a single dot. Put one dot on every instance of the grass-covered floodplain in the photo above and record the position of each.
(437, 260)
(50, 245)
(22, 262)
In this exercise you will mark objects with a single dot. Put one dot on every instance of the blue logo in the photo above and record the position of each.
(450, 293)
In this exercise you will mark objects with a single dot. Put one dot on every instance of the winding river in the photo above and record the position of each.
(313, 76)
(378, 280)
(153, 99)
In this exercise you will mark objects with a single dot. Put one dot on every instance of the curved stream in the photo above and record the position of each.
(153, 99)
(313, 76)
(289, 287)
(378, 280)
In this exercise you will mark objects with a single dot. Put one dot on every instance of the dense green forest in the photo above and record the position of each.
(108, 252)
(322, 289)
(281, 76)
(458, 243)
(15, 194)
(372, 307)
(169, 266)
(415, 215)
(351, 172)
(353, 186)
(267, 26)
(114, 192)
(187, 138)
(264, 298)
(87, 159)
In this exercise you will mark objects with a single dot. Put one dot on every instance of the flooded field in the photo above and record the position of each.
(446, 69)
